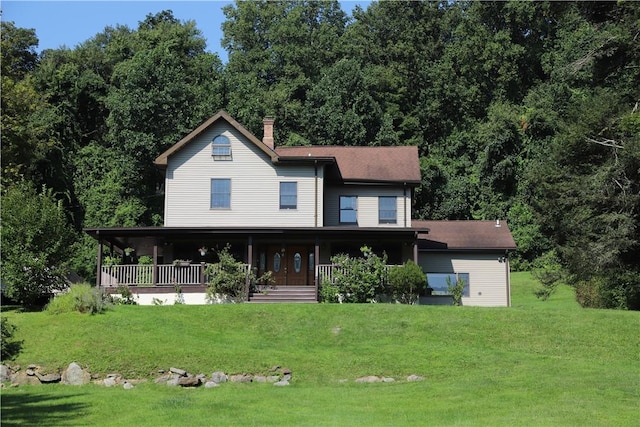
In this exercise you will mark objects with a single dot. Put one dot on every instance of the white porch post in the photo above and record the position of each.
(154, 274)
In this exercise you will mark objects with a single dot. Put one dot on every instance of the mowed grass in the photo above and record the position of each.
(536, 363)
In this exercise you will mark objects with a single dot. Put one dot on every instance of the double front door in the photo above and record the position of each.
(291, 265)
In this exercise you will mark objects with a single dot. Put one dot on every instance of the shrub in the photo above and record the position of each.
(406, 282)
(328, 292)
(548, 271)
(145, 274)
(9, 348)
(456, 290)
(126, 296)
(616, 290)
(359, 279)
(228, 276)
(82, 298)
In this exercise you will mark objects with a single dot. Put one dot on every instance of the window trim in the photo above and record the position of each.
(211, 204)
(340, 209)
(227, 148)
(285, 206)
(382, 220)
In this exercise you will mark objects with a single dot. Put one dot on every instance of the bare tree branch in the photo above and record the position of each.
(606, 142)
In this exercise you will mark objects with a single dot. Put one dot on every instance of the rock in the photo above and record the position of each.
(32, 366)
(259, 378)
(110, 382)
(74, 375)
(30, 372)
(388, 380)
(415, 378)
(161, 371)
(240, 378)
(368, 379)
(189, 381)
(219, 377)
(21, 378)
(281, 383)
(127, 385)
(5, 373)
(180, 372)
(162, 379)
(273, 378)
(48, 378)
(211, 384)
(202, 378)
(173, 380)
(286, 371)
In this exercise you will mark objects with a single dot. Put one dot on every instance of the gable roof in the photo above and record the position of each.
(398, 164)
(162, 159)
(465, 235)
(365, 164)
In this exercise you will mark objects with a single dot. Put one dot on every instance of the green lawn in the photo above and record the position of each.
(536, 363)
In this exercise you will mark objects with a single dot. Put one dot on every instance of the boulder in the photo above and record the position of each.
(48, 378)
(127, 385)
(189, 381)
(415, 378)
(219, 377)
(281, 383)
(388, 380)
(211, 384)
(368, 379)
(5, 373)
(75, 375)
(240, 378)
(178, 371)
(21, 378)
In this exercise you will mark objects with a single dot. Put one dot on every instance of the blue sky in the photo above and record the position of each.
(69, 23)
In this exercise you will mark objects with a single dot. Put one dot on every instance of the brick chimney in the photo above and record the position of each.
(267, 139)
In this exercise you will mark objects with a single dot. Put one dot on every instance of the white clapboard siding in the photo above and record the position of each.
(255, 188)
(487, 276)
(367, 204)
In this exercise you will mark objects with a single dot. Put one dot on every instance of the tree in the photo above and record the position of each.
(37, 243)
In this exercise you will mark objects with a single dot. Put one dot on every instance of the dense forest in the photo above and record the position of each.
(524, 111)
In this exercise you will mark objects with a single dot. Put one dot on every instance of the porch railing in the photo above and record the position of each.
(327, 271)
(168, 275)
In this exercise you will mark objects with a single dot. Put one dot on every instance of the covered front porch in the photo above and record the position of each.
(163, 259)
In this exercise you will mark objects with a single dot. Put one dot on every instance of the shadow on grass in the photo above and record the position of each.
(41, 409)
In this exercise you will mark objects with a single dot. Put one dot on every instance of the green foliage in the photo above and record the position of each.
(619, 291)
(82, 298)
(9, 347)
(126, 296)
(407, 282)
(548, 271)
(229, 277)
(37, 244)
(357, 279)
(456, 290)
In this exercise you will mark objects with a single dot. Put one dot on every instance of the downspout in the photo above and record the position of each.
(315, 173)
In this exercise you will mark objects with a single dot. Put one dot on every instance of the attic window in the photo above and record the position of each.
(221, 148)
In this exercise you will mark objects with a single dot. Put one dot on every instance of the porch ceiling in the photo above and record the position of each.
(122, 236)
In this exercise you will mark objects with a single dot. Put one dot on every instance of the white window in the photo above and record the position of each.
(387, 210)
(288, 195)
(221, 148)
(348, 209)
(220, 193)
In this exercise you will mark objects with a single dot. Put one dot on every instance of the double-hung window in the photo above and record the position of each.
(348, 209)
(221, 148)
(220, 193)
(387, 210)
(288, 195)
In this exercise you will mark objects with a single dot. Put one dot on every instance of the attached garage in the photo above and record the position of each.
(474, 251)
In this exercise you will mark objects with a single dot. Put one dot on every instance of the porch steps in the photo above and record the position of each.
(285, 294)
